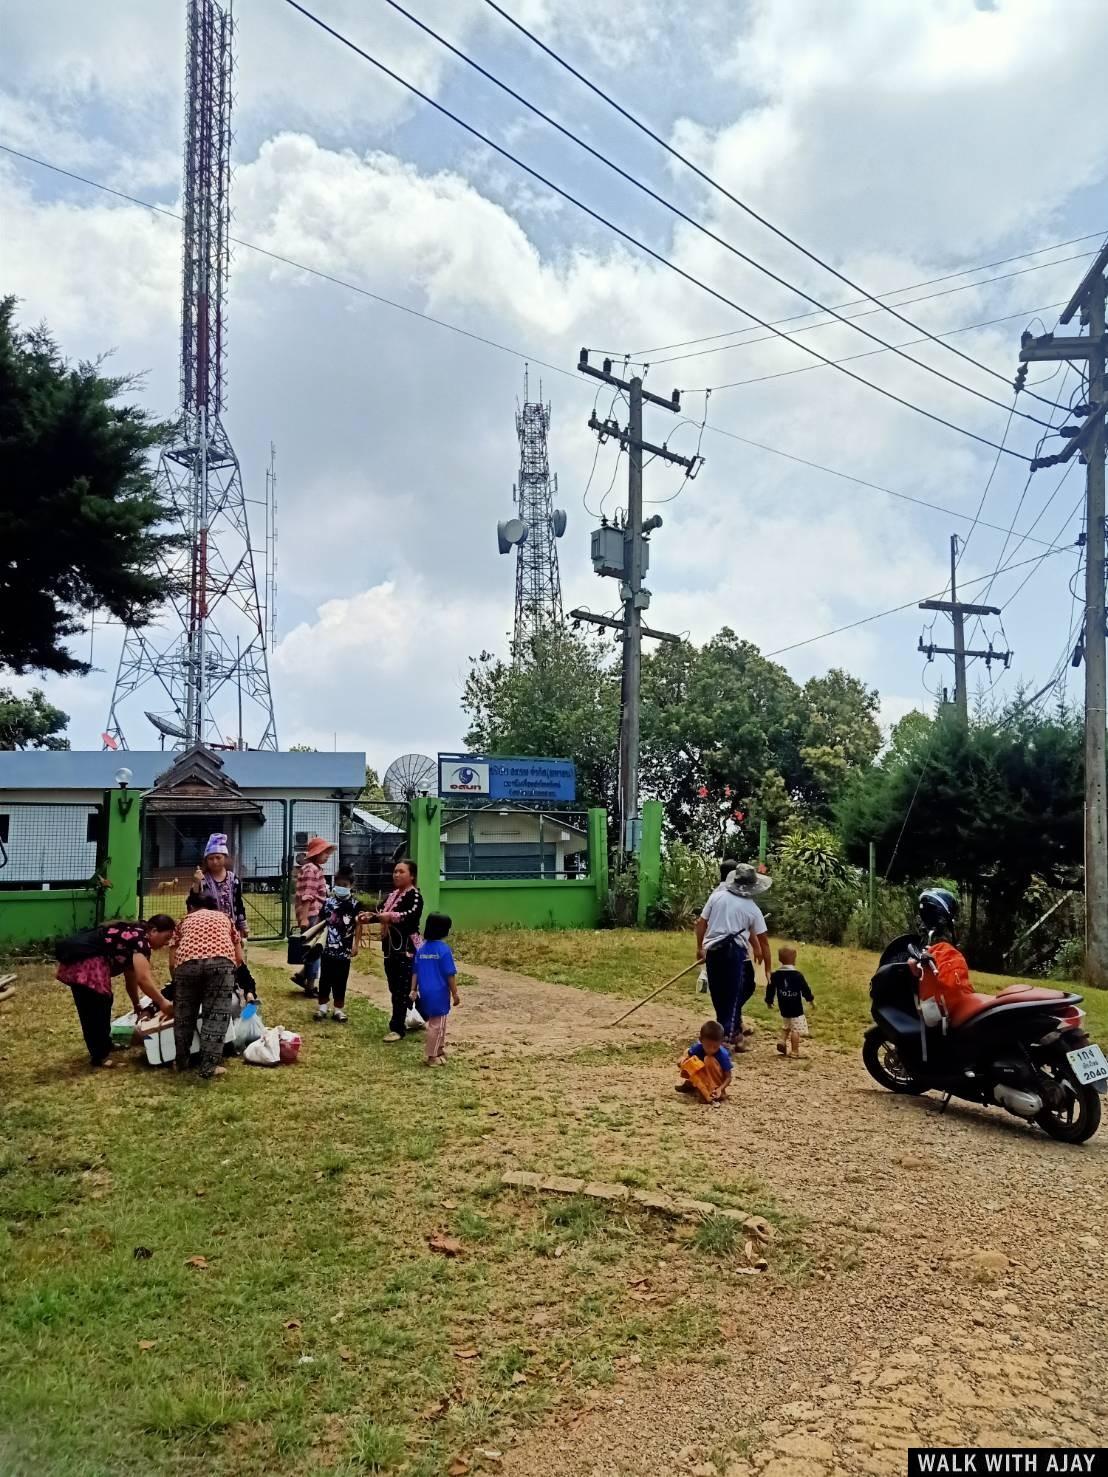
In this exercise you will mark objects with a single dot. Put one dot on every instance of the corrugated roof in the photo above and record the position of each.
(77, 769)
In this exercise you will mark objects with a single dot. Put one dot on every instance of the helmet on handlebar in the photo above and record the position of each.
(938, 908)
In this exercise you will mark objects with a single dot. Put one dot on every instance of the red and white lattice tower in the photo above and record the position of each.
(208, 652)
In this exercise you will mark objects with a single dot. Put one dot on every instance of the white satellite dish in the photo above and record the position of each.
(409, 776)
(168, 727)
(511, 532)
(558, 522)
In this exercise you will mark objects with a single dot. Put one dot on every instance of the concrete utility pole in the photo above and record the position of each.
(958, 610)
(1088, 439)
(629, 565)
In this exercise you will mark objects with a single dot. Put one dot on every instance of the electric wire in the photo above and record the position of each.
(626, 235)
(721, 189)
(286, 261)
(908, 605)
(641, 355)
(714, 236)
(524, 355)
(869, 353)
(695, 456)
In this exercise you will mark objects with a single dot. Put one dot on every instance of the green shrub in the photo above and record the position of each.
(816, 891)
(622, 907)
(687, 878)
(1069, 960)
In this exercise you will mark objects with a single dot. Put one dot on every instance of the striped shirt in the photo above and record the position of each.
(311, 888)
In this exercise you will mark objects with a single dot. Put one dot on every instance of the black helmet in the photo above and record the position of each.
(938, 908)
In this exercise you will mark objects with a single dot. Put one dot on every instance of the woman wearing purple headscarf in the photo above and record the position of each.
(213, 878)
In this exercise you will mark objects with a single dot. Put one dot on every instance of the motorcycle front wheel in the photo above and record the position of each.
(1078, 1119)
(883, 1063)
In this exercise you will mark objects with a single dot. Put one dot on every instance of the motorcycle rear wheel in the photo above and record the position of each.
(1077, 1126)
(883, 1064)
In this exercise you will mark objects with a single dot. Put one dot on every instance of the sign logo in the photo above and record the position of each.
(465, 778)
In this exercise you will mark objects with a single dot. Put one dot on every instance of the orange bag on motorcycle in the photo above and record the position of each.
(950, 977)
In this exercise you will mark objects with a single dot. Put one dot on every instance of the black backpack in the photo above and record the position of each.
(85, 944)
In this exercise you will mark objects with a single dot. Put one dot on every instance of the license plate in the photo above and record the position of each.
(1089, 1064)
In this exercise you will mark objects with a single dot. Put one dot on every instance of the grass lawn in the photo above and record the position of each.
(625, 962)
(235, 1278)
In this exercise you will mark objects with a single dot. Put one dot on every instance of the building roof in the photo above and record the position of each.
(255, 769)
(374, 822)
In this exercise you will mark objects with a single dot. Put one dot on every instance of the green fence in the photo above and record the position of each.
(487, 902)
(33, 917)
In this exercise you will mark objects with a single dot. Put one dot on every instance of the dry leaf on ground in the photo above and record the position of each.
(199, 1262)
(445, 1245)
(466, 1353)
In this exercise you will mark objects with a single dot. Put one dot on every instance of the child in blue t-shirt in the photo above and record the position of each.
(435, 982)
(706, 1067)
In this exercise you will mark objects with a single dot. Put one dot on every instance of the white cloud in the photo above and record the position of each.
(396, 439)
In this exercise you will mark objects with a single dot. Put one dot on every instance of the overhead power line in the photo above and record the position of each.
(721, 189)
(641, 355)
(626, 235)
(908, 605)
(757, 379)
(285, 261)
(524, 355)
(743, 256)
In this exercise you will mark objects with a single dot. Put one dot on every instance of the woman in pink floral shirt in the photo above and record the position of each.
(119, 947)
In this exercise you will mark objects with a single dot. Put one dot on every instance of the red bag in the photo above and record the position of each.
(290, 1048)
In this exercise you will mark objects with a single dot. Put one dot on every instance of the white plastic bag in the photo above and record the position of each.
(413, 1020)
(702, 982)
(266, 1051)
(247, 1029)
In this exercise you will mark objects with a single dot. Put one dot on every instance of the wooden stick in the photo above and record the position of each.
(687, 970)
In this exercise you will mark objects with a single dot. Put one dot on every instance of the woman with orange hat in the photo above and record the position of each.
(311, 894)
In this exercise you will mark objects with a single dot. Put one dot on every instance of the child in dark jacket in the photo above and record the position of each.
(791, 990)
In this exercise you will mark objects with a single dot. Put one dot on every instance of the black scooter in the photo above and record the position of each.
(1023, 1050)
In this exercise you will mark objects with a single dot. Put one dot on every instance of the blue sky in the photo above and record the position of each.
(900, 143)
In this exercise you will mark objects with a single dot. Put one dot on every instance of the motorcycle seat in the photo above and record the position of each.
(968, 1007)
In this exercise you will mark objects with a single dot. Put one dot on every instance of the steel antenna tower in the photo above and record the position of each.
(538, 583)
(211, 641)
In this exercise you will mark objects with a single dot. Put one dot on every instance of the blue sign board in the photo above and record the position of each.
(481, 777)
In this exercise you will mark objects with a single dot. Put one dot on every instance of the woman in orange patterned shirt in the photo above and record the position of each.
(205, 952)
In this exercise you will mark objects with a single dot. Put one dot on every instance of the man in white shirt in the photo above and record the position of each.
(730, 934)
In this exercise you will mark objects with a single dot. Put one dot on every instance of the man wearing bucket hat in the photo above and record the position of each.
(730, 935)
(311, 894)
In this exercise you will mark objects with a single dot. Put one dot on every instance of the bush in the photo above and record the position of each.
(816, 891)
(1069, 960)
(894, 913)
(622, 907)
(687, 878)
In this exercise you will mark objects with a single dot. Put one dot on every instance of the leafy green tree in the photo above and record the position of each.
(841, 733)
(995, 807)
(728, 733)
(303, 749)
(372, 790)
(30, 722)
(560, 698)
(79, 513)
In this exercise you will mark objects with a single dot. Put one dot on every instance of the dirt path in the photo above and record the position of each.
(965, 1300)
(967, 1306)
(504, 1011)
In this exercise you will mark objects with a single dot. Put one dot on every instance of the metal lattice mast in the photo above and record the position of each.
(538, 583)
(210, 645)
